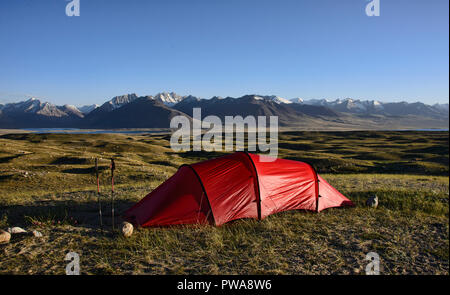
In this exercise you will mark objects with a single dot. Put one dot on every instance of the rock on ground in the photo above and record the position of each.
(127, 229)
(372, 202)
(37, 234)
(4, 236)
(16, 230)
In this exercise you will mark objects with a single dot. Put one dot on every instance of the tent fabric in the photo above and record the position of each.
(285, 185)
(179, 200)
(330, 197)
(235, 186)
(230, 185)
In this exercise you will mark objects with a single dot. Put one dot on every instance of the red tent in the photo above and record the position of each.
(240, 185)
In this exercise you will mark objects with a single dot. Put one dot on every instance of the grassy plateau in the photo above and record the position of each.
(47, 183)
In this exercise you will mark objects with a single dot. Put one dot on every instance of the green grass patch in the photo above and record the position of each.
(47, 182)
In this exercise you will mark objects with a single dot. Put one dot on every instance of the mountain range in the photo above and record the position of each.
(133, 111)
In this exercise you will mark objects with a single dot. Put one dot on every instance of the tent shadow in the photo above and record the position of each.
(65, 212)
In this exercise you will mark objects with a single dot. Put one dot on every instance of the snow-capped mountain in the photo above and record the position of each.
(143, 112)
(277, 99)
(118, 101)
(32, 105)
(169, 99)
(297, 100)
(190, 98)
(272, 98)
(353, 105)
(35, 106)
(247, 105)
(86, 109)
(34, 113)
(313, 101)
(370, 107)
(113, 104)
(122, 109)
(71, 110)
(217, 97)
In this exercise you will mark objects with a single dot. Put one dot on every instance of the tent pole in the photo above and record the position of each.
(258, 200)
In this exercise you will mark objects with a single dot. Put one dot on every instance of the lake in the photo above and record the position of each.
(148, 131)
(90, 131)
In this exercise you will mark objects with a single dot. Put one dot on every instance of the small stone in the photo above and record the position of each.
(127, 229)
(37, 234)
(16, 230)
(4, 237)
(372, 202)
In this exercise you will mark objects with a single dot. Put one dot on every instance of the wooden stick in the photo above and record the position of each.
(98, 195)
(113, 167)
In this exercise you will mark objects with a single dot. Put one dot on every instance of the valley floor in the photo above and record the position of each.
(47, 183)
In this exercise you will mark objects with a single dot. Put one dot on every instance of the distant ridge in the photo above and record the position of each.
(142, 112)
(133, 111)
(34, 113)
(371, 107)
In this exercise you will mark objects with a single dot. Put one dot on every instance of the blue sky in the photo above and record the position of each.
(298, 48)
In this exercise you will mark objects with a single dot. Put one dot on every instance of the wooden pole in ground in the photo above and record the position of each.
(113, 167)
(98, 195)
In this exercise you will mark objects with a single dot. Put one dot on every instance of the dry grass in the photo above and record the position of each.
(46, 183)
